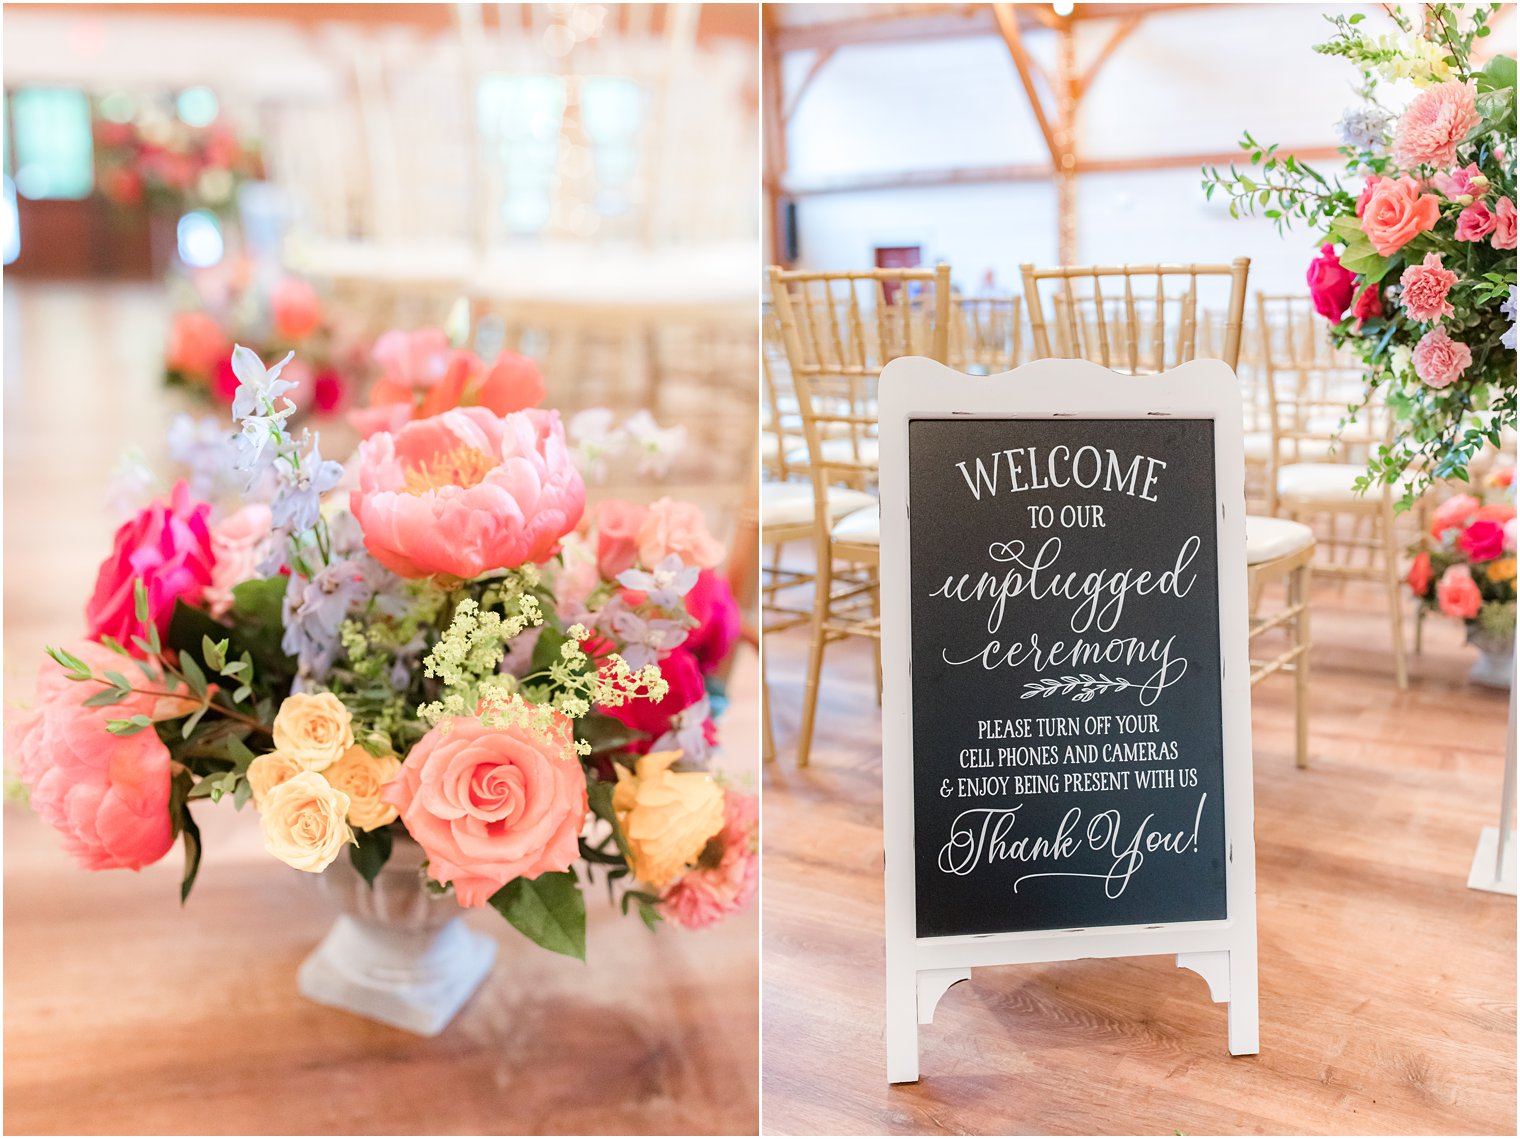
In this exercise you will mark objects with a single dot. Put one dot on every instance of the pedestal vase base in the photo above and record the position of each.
(1487, 872)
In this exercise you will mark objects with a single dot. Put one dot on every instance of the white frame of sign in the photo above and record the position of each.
(921, 969)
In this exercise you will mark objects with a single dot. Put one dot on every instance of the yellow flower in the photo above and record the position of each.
(313, 729)
(666, 816)
(304, 822)
(1501, 571)
(268, 771)
(362, 777)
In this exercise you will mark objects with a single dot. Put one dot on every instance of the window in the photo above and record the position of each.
(54, 153)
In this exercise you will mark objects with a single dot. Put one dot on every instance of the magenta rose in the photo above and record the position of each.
(1425, 287)
(1483, 540)
(680, 670)
(1330, 285)
(168, 547)
(711, 604)
(1439, 360)
(488, 805)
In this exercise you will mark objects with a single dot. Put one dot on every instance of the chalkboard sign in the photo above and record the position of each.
(1067, 738)
(1066, 753)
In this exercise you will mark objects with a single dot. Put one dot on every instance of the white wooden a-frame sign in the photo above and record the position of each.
(1223, 952)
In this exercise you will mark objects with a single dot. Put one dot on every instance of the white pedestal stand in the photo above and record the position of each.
(1493, 866)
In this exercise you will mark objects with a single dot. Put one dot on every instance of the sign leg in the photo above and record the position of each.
(1245, 1027)
(902, 1026)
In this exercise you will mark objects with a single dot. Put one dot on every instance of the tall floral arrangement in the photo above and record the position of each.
(435, 642)
(1416, 238)
(1465, 567)
(159, 160)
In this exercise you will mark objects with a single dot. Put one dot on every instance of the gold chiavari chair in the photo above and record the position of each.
(1141, 320)
(840, 329)
(986, 334)
(781, 434)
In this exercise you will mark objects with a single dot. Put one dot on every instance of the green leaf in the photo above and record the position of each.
(140, 601)
(370, 852)
(192, 837)
(1497, 73)
(75, 668)
(650, 914)
(128, 727)
(192, 721)
(548, 910)
(105, 697)
(214, 653)
(193, 674)
(257, 614)
(599, 797)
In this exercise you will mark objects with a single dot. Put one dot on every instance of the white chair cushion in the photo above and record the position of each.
(1270, 538)
(862, 527)
(1320, 482)
(791, 503)
(839, 451)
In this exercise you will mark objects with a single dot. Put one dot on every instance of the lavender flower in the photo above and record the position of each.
(645, 640)
(666, 584)
(1508, 309)
(304, 479)
(1364, 128)
(314, 612)
(688, 734)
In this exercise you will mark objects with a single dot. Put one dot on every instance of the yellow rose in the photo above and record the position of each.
(1501, 571)
(362, 777)
(304, 822)
(313, 728)
(268, 771)
(667, 816)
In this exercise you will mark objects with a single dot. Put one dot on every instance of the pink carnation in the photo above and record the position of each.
(1483, 540)
(1330, 286)
(467, 492)
(107, 795)
(1475, 223)
(728, 872)
(1425, 289)
(238, 543)
(1452, 513)
(1504, 224)
(1462, 184)
(1435, 124)
(1457, 593)
(1439, 360)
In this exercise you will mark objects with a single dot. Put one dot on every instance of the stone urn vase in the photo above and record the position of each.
(1495, 667)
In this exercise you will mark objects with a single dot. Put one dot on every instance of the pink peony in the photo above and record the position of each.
(107, 795)
(1330, 286)
(489, 805)
(1425, 289)
(711, 604)
(238, 544)
(1452, 514)
(196, 344)
(1395, 213)
(1435, 124)
(168, 547)
(1439, 360)
(1483, 540)
(726, 875)
(1457, 593)
(1419, 576)
(296, 309)
(1462, 184)
(673, 527)
(1504, 224)
(423, 376)
(1475, 223)
(679, 668)
(467, 492)
(617, 536)
(1367, 306)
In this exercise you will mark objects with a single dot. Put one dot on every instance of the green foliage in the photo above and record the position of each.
(549, 910)
(370, 852)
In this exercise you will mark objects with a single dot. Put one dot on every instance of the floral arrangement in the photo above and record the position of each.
(1416, 264)
(160, 160)
(435, 643)
(1466, 567)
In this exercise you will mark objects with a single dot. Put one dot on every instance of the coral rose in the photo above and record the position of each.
(296, 309)
(268, 771)
(313, 728)
(673, 527)
(363, 778)
(1396, 213)
(1425, 287)
(1330, 285)
(711, 604)
(1457, 593)
(1483, 540)
(666, 816)
(238, 544)
(1435, 123)
(196, 344)
(617, 536)
(1504, 224)
(304, 820)
(467, 492)
(1439, 360)
(1475, 223)
(727, 873)
(1452, 513)
(1420, 577)
(168, 548)
(107, 795)
(489, 805)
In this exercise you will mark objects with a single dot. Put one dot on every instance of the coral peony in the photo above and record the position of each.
(1504, 224)
(1434, 125)
(711, 604)
(1419, 577)
(652, 717)
(1462, 184)
(667, 817)
(1396, 212)
(1457, 593)
(1483, 540)
(107, 795)
(423, 377)
(617, 535)
(1330, 285)
(168, 548)
(296, 309)
(492, 804)
(1425, 287)
(1475, 223)
(1439, 360)
(239, 543)
(196, 344)
(467, 492)
(1367, 306)
(1452, 514)
(674, 527)
(727, 873)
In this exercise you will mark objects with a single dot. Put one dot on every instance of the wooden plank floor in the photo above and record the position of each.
(125, 1014)
(1387, 986)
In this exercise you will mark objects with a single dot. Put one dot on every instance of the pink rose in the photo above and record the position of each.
(1452, 513)
(238, 544)
(467, 492)
(415, 360)
(1367, 306)
(617, 536)
(673, 527)
(224, 381)
(1435, 124)
(1396, 213)
(1504, 224)
(1475, 223)
(1509, 536)
(1439, 360)
(1425, 289)
(1330, 286)
(1419, 575)
(1457, 593)
(1461, 185)
(107, 795)
(728, 873)
(711, 604)
(679, 668)
(296, 309)
(488, 805)
(196, 343)
(1365, 196)
(168, 547)
(1483, 540)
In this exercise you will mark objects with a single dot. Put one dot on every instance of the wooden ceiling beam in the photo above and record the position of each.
(820, 61)
(1008, 27)
(1121, 33)
(885, 27)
